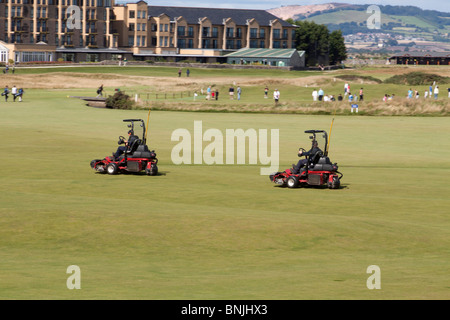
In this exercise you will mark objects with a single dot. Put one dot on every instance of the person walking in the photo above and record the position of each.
(239, 91)
(208, 93)
(266, 92)
(100, 91)
(5, 93)
(179, 72)
(20, 94)
(14, 93)
(361, 94)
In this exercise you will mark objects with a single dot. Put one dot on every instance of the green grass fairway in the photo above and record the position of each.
(219, 231)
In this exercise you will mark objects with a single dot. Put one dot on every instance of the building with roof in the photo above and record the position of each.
(271, 57)
(423, 58)
(95, 30)
(199, 34)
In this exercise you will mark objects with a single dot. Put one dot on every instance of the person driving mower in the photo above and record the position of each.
(128, 143)
(309, 156)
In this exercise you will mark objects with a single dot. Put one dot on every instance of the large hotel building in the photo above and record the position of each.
(97, 30)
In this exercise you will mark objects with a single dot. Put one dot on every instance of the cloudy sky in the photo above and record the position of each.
(440, 5)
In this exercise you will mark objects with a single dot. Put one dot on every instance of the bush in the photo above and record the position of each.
(417, 79)
(119, 100)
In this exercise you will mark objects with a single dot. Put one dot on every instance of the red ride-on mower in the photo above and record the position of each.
(318, 170)
(136, 158)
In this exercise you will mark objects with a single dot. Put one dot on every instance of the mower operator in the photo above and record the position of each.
(128, 143)
(303, 162)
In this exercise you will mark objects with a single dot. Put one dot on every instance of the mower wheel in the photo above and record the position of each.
(152, 171)
(335, 183)
(292, 182)
(112, 168)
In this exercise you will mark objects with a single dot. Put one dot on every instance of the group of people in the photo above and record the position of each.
(14, 91)
(180, 71)
(429, 92)
(214, 94)
(8, 69)
(319, 95)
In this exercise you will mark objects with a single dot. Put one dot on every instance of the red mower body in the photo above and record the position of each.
(136, 158)
(319, 171)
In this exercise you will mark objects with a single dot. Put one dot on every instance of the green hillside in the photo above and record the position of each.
(430, 24)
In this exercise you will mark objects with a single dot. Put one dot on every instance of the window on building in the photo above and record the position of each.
(276, 33)
(131, 14)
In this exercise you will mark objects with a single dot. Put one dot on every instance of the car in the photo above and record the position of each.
(319, 170)
(137, 157)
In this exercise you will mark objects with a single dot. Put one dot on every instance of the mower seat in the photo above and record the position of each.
(323, 164)
(314, 159)
(142, 151)
(134, 146)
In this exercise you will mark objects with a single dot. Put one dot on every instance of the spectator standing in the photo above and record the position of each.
(188, 73)
(208, 93)
(266, 92)
(179, 72)
(276, 96)
(231, 92)
(321, 94)
(239, 91)
(314, 95)
(361, 94)
(448, 92)
(410, 93)
(431, 91)
(436, 92)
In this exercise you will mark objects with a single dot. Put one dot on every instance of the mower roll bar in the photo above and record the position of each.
(142, 125)
(326, 138)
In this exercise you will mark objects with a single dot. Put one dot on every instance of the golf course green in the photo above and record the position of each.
(199, 231)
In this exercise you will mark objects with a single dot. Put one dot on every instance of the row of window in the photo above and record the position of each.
(89, 40)
(41, 25)
(89, 3)
(41, 12)
(213, 32)
(141, 14)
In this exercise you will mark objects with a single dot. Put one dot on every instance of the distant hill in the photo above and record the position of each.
(351, 19)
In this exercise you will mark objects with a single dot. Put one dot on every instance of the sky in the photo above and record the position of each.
(440, 5)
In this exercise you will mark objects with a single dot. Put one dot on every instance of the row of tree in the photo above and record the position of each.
(320, 45)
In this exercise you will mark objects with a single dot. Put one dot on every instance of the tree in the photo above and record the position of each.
(313, 39)
(319, 44)
(337, 51)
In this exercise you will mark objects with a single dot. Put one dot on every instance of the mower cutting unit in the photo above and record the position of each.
(135, 159)
(318, 171)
